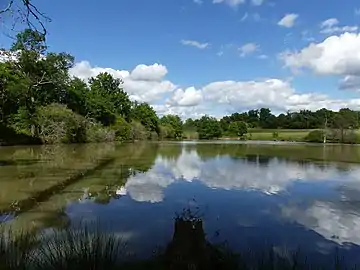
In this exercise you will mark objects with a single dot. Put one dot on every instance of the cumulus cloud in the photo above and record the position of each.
(144, 83)
(231, 3)
(248, 48)
(336, 55)
(288, 20)
(147, 83)
(154, 72)
(195, 44)
(188, 97)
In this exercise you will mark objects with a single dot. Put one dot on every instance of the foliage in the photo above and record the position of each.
(146, 115)
(238, 128)
(172, 127)
(57, 124)
(122, 129)
(209, 128)
(96, 133)
(138, 131)
(316, 136)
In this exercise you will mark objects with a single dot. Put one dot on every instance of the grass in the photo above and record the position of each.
(282, 134)
(91, 249)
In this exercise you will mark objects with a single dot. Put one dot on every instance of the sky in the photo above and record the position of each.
(215, 57)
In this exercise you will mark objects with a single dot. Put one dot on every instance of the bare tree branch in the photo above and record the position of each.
(27, 13)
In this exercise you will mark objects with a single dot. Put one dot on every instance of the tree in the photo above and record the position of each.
(26, 12)
(344, 121)
(174, 122)
(146, 115)
(106, 86)
(29, 40)
(238, 128)
(209, 128)
(253, 118)
(190, 124)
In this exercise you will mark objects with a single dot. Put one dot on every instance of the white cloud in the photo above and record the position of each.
(330, 26)
(329, 23)
(154, 72)
(231, 3)
(147, 83)
(336, 55)
(195, 43)
(187, 97)
(288, 20)
(257, 2)
(199, 2)
(144, 83)
(248, 48)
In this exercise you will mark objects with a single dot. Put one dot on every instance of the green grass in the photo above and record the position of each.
(282, 134)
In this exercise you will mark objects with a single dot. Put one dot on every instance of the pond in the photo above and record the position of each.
(250, 196)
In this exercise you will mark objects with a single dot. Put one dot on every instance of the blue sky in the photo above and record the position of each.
(216, 56)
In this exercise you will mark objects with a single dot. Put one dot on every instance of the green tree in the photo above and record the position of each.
(29, 40)
(175, 123)
(238, 128)
(209, 128)
(106, 87)
(146, 115)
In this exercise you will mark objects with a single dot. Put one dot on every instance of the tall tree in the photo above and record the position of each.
(175, 123)
(146, 115)
(209, 128)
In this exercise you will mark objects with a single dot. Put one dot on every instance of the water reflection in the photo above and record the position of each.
(251, 196)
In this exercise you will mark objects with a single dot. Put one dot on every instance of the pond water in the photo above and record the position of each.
(254, 196)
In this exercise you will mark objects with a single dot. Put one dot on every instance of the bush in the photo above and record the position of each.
(122, 129)
(138, 131)
(95, 133)
(58, 124)
(316, 136)
(166, 132)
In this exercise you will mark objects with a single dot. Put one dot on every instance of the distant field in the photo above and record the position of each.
(264, 134)
(283, 134)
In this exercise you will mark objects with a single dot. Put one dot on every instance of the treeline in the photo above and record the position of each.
(41, 102)
(336, 126)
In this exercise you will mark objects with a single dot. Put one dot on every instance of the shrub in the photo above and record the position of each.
(95, 133)
(316, 136)
(166, 132)
(138, 131)
(122, 129)
(58, 124)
